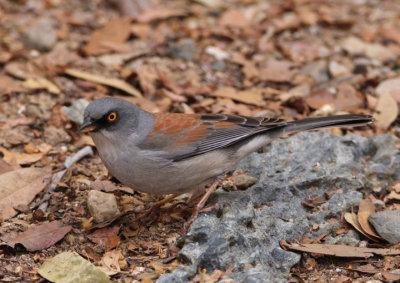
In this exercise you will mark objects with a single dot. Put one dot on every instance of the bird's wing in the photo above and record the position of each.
(182, 136)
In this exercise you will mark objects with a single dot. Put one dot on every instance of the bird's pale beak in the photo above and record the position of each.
(87, 127)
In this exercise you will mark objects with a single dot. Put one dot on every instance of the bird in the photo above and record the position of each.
(176, 153)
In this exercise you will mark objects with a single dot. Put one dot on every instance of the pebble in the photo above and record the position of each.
(387, 224)
(183, 50)
(102, 206)
(41, 36)
(76, 110)
(54, 136)
(338, 70)
(244, 181)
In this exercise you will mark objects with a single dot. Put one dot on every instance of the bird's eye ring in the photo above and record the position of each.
(112, 117)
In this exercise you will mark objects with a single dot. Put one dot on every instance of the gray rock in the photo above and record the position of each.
(318, 70)
(387, 224)
(219, 66)
(244, 181)
(102, 206)
(183, 50)
(41, 36)
(55, 136)
(246, 231)
(76, 110)
(351, 238)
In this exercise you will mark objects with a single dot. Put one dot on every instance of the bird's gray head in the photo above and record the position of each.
(110, 115)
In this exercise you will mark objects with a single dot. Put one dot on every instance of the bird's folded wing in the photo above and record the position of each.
(181, 136)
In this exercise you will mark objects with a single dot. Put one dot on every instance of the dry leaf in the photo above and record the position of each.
(40, 237)
(108, 186)
(159, 14)
(70, 267)
(114, 33)
(347, 98)
(112, 262)
(393, 195)
(313, 201)
(9, 85)
(112, 82)
(246, 96)
(339, 250)
(234, 18)
(41, 83)
(19, 187)
(351, 218)
(5, 167)
(19, 157)
(106, 237)
(366, 208)
(387, 110)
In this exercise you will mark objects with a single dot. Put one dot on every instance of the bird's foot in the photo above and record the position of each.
(200, 205)
(156, 206)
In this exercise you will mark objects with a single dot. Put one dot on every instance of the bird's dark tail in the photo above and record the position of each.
(351, 120)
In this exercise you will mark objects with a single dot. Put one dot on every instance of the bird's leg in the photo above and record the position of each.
(156, 206)
(201, 203)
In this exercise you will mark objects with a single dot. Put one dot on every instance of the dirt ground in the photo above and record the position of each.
(289, 59)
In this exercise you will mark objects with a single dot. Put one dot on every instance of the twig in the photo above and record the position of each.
(69, 161)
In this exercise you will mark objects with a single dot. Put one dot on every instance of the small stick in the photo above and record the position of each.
(69, 161)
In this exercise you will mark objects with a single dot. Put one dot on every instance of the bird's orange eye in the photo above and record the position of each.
(112, 117)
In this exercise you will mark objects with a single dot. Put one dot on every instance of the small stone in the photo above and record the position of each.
(353, 45)
(350, 239)
(33, 111)
(53, 135)
(41, 36)
(183, 50)
(379, 204)
(218, 53)
(76, 110)
(218, 66)
(338, 70)
(387, 224)
(243, 181)
(102, 206)
(318, 70)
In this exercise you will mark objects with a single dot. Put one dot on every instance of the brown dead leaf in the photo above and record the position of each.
(9, 85)
(343, 279)
(351, 218)
(41, 83)
(391, 276)
(347, 98)
(339, 250)
(5, 167)
(106, 237)
(234, 18)
(246, 96)
(112, 82)
(108, 186)
(7, 124)
(112, 262)
(203, 277)
(393, 195)
(114, 33)
(319, 98)
(366, 208)
(313, 201)
(387, 110)
(277, 71)
(157, 14)
(19, 187)
(40, 237)
(19, 157)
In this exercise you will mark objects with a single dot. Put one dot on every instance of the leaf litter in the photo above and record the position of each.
(290, 59)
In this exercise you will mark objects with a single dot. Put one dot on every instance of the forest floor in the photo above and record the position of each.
(289, 59)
